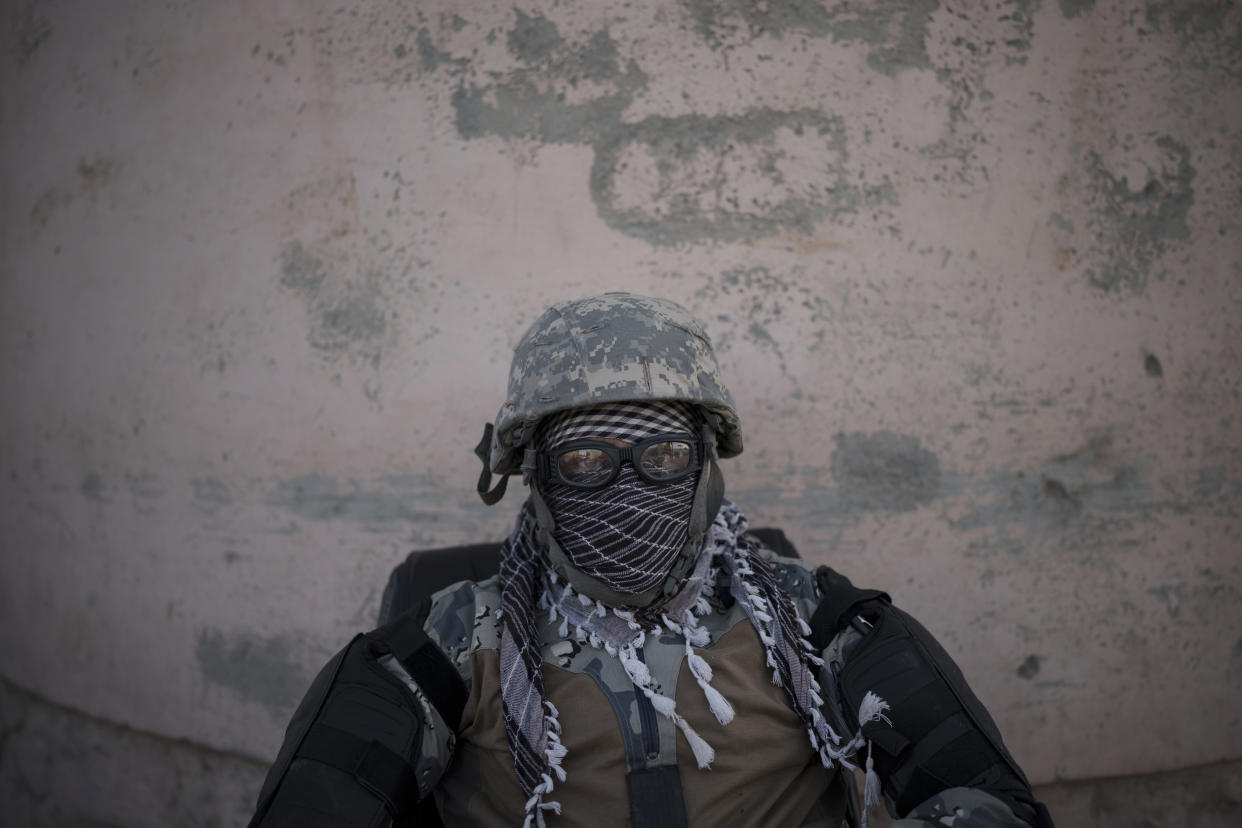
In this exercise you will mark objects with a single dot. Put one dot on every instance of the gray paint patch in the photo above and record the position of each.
(259, 669)
(97, 173)
(894, 29)
(1189, 18)
(600, 61)
(1074, 8)
(1210, 484)
(1020, 15)
(1087, 495)
(92, 487)
(45, 207)
(211, 492)
(1199, 597)
(91, 176)
(531, 102)
(1030, 668)
(348, 317)
(1210, 32)
(1086, 502)
(301, 269)
(429, 56)
(1133, 228)
(667, 180)
(32, 30)
(533, 39)
(758, 301)
(1089, 500)
(525, 107)
(356, 317)
(720, 20)
(1056, 500)
(884, 472)
(1059, 221)
(378, 506)
(674, 180)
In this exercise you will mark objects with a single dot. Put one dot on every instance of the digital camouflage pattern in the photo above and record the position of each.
(438, 739)
(608, 348)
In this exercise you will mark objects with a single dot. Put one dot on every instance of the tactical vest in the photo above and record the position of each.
(373, 738)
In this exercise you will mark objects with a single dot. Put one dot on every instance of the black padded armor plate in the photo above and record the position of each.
(349, 752)
(941, 735)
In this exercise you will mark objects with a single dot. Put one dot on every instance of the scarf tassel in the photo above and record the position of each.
(699, 666)
(721, 709)
(662, 704)
(871, 790)
(638, 672)
(703, 753)
(871, 793)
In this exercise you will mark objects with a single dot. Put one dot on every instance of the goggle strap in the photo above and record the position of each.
(709, 438)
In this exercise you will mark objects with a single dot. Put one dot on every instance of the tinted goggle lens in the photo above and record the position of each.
(585, 466)
(659, 461)
(666, 460)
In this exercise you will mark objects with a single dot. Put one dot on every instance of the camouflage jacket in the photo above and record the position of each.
(765, 772)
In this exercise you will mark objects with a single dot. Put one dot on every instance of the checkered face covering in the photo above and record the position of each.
(626, 535)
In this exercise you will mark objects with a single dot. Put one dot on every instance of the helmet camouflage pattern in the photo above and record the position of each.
(610, 348)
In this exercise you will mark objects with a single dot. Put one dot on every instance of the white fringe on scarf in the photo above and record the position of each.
(826, 743)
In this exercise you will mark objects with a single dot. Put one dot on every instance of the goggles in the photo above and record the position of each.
(593, 464)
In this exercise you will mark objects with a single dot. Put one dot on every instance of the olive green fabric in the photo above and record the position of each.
(765, 773)
(481, 788)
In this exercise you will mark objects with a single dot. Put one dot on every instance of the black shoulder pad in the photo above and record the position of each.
(351, 750)
(841, 601)
(941, 734)
(426, 663)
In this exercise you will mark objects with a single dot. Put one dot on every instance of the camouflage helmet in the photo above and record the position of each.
(609, 348)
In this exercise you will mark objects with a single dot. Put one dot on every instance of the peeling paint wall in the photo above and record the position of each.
(975, 273)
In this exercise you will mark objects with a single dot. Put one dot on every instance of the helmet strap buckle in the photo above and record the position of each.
(482, 451)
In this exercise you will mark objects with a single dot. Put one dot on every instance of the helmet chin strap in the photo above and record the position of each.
(708, 495)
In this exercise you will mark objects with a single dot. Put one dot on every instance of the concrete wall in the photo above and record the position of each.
(973, 269)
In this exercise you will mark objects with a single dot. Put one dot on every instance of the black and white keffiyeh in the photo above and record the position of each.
(625, 560)
(630, 421)
(629, 534)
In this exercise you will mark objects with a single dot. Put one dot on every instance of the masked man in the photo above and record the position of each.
(640, 658)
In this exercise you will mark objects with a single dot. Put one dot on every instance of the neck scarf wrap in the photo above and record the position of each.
(630, 557)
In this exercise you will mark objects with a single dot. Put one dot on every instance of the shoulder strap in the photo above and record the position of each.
(840, 603)
(426, 663)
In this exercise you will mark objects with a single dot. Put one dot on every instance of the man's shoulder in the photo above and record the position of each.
(793, 576)
(464, 617)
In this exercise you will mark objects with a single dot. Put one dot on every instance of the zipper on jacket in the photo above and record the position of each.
(647, 722)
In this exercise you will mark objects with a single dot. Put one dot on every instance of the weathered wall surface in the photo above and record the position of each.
(975, 273)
